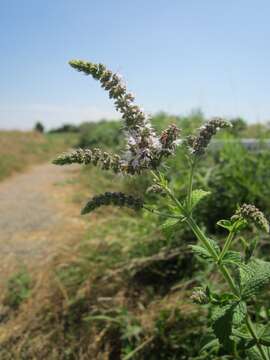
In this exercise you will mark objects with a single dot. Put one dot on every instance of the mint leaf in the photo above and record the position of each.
(232, 257)
(169, 223)
(224, 318)
(197, 196)
(254, 277)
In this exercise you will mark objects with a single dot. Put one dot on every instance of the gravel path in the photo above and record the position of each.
(36, 215)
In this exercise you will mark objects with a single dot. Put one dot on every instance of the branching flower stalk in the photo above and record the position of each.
(146, 151)
(257, 217)
(205, 241)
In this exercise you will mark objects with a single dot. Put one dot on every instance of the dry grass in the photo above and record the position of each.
(20, 149)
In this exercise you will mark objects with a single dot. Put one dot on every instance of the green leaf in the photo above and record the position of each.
(222, 325)
(250, 249)
(254, 354)
(213, 343)
(226, 224)
(254, 277)
(232, 225)
(240, 311)
(224, 318)
(243, 334)
(201, 251)
(214, 245)
(265, 337)
(169, 222)
(246, 340)
(197, 196)
(232, 257)
(222, 300)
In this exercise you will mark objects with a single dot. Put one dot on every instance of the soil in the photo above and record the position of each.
(37, 216)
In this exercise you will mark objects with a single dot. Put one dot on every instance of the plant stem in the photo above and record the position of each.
(169, 192)
(190, 185)
(226, 274)
(139, 348)
(255, 337)
(208, 245)
(205, 241)
(226, 245)
(201, 237)
(154, 211)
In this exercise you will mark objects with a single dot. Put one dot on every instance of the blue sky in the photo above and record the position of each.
(175, 55)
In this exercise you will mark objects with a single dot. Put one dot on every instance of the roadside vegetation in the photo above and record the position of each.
(21, 149)
(126, 289)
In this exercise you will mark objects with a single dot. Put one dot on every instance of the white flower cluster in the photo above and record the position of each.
(144, 148)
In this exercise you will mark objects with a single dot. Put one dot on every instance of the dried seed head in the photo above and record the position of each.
(251, 213)
(112, 198)
(169, 139)
(199, 296)
(157, 189)
(199, 143)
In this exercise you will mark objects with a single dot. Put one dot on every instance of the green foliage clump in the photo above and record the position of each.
(18, 289)
(39, 127)
(238, 176)
(106, 134)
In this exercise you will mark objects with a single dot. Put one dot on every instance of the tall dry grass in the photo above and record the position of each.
(19, 149)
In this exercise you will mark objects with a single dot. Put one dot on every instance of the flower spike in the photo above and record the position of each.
(199, 143)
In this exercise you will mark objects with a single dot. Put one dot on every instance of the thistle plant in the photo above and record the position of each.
(244, 275)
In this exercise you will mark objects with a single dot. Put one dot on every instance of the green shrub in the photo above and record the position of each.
(18, 289)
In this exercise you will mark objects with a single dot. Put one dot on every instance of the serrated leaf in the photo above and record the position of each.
(242, 335)
(240, 311)
(254, 277)
(169, 222)
(201, 251)
(246, 341)
(214, 245)
(254, 354)
(224, 318)
(221, 300)
(222, 325)
(214, 343)
(232, 257)
(197, 195)
(265, 336)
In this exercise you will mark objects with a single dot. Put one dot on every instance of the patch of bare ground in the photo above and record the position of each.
(37, 217)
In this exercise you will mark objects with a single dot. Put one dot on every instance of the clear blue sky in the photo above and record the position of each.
(175, 55)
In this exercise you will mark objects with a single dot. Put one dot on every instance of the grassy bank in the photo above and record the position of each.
(123, 290)
(20, 149)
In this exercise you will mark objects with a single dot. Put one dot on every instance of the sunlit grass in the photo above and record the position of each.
(20, 149)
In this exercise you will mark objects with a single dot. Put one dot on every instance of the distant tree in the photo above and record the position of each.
(238, 126)
(39, 127)
(65, 128)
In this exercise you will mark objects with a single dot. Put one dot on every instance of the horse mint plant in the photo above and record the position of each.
(245, 276)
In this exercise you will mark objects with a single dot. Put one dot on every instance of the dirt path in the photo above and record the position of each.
(37, 216)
